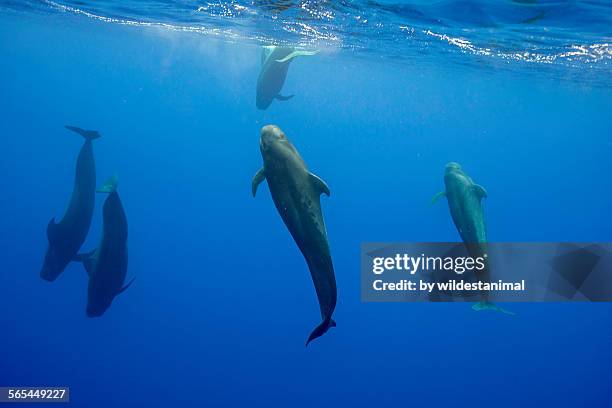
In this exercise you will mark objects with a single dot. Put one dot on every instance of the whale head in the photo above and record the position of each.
(53, 264)
(453, 167)
(97, 304)
(453, 173)
(270, 135)
(274, 145)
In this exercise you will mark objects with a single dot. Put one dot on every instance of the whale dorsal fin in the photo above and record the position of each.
(319, 185)
(52, 231)
(257, 179)
(480, 191)
(265, 52)
(438, 196)
(297, 53)
(123, 289)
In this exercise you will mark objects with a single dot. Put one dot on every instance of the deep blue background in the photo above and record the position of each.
(223, 303)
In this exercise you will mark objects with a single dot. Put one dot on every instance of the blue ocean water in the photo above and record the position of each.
(518, 92)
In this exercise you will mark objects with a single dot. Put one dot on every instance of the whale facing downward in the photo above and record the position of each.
(464, 201)
(107, 265)
(66, 237)
(296, 192)
(274, 66)
(465, 204)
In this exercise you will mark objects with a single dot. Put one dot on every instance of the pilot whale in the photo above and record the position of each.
(296, 194)
(66, 237)
(274, 65)
(107, 265)
(465, 203)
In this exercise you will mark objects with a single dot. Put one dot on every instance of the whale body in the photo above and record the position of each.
(107, 265)
(296, 194)
(465, 204)
(274, 66)
(66, 237)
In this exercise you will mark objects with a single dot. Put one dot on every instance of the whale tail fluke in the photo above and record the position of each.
(87, 134)
(321, 329)
(480, 306)
(110, 186)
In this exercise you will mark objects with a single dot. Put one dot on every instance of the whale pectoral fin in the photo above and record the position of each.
(480, 191)
(52, 231)
(319, 185)
(257, 179)
(84, 256)
(438, 196)
(283, 98)
(87, 260)
(297, 53)
(123, 289)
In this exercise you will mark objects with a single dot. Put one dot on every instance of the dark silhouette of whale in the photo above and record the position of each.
(296, 192)
(465, 203)
(66, 237)
(274, 66)
(107, 265)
